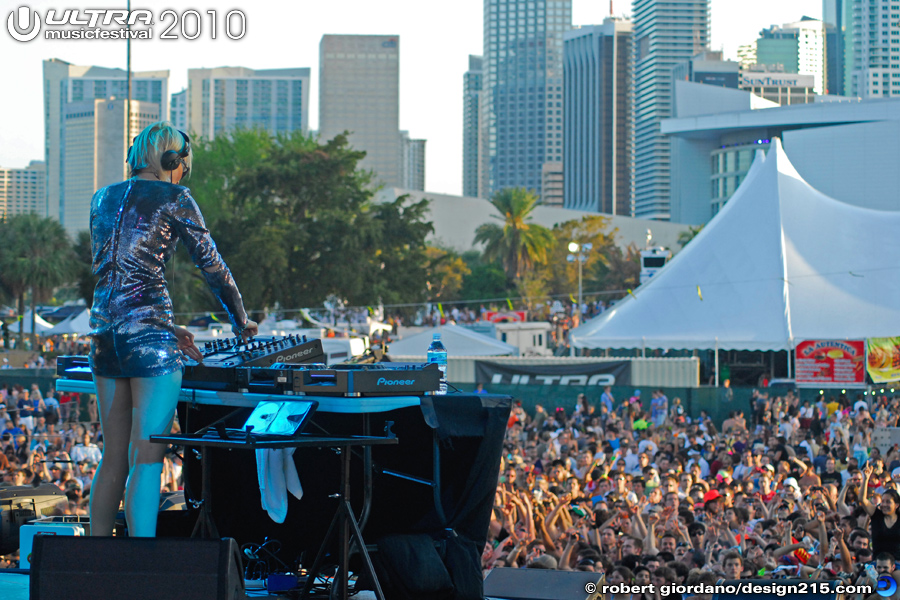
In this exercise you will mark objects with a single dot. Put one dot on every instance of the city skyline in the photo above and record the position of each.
(431, 67)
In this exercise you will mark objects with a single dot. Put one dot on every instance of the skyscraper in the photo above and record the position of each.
(22, 190)
(178, 110)
(666, 32)
(226, 98)
(522, 116)
(65, 83)
(472, 81)
(359, 92)
(412, 163)
(799, 46)
(833, 16)
(95, 152)
(873, 46)
(599, 129)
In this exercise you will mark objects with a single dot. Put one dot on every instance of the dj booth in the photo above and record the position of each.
(439, 480)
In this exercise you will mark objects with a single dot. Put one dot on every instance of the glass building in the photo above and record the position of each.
(472, 83)
(598, 118)
(666, 33)
(522, 116)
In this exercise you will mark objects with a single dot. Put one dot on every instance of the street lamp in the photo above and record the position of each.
(578, 253)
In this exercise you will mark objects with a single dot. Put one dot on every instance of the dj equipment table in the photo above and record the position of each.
(441, 475)
(344, 520)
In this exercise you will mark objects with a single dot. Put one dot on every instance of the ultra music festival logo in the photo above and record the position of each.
(25, 24)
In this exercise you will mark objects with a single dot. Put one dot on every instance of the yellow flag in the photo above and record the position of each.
(630, 293)
(699, 294)
(509, 304)
(441, 310)
(572, 298)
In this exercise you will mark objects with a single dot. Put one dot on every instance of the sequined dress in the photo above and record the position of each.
(135, 227)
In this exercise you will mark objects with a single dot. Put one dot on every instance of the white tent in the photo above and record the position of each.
(781, 263)
(459, 341)
(78, 324)
(40, 324)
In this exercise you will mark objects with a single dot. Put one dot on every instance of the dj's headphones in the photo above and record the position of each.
(170, 159)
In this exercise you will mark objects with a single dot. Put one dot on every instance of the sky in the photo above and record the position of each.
(436, 39)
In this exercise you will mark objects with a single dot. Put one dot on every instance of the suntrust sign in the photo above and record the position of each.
(777, 80)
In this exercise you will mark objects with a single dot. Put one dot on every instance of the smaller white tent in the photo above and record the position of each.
(459, 341)
(77, 324)
(40, 324)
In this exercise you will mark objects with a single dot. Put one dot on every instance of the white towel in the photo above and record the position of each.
(277, 476)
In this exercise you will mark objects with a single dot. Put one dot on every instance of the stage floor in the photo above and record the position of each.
(14, 586)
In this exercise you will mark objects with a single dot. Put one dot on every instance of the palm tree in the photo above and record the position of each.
(519, 244)
(37, 256)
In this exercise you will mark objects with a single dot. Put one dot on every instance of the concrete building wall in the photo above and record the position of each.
(22, 191)
(359, 92)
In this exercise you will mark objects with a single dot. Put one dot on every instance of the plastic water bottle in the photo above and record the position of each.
(438, 354)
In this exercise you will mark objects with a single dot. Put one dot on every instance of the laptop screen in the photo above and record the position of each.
(280, 418)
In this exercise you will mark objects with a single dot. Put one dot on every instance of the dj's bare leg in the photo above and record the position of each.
(154, 400)
(114, 402)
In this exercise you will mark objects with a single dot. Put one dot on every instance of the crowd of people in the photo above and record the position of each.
(644, 494)
(55, 438)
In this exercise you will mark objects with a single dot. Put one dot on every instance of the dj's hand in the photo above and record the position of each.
(186, 344)
(251, 330)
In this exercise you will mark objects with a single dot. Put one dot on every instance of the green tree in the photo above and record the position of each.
(446, 273)
(518, 244)
(37, 257)
(607, 266)
(486, 279)
(688, 234)
(296, 221)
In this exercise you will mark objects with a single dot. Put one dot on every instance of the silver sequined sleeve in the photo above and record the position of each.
(191, 228)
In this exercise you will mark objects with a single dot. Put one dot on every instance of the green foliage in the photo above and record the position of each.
(518, 244)
(295, 221)
(606, 267)
(36, 256)
(446, 273)
(486, 279)
(688, 234)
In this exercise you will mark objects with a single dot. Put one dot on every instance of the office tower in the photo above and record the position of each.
(552, 185)
(471, 97)
(22, 190)
(359, 92)
(665, 34)
(65, 83)
(799, 46)
(599, 129)
(412, 162)
(875, 48)
(226, 98)
(708, 68)
(96, 152)
(747, 54)
(178, 111)
(833, 15)
(522, 116)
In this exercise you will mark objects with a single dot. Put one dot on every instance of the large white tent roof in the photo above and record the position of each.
(79, 324)
(781, 263)
(41, 325)
(459, 341)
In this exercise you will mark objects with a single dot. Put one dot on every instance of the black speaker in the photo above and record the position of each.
(538, 584)
(21, 504)
(99, 568)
